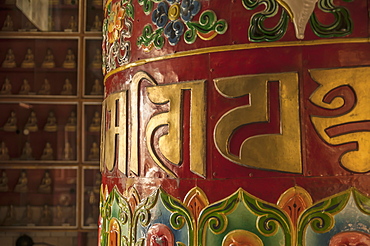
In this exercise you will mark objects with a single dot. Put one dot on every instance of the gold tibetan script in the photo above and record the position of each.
(280, 151)
(346, 92)
(117, 123)
(170, 145)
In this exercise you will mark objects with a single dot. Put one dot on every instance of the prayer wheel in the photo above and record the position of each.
(242, 122)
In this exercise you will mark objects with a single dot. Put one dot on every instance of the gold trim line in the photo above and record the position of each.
(235, 47)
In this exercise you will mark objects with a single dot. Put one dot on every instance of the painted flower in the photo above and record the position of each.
(160, 15)
(171, 16)
(115, 23)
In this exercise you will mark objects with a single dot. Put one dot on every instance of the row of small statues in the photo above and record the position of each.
(48, 152)
(29, 60)
(22, 184)
(72, 25)
(67, 2)
(6, 88)
(51, 123)
(45, 89)
(39, 215)
(32, 125)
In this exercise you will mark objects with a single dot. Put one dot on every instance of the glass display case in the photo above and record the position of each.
(42, 132)
(92, 120)
(51, 89)
(93, 69)
(42, 197)
(91, 181)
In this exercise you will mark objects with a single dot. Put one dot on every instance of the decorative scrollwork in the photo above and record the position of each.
(117, 28)
(320, 215)
(270, 218)
(302, 12)
(172, 18)
(207, 28)
(342, 25)
(150, 38)
(257, 31)
(180, 215)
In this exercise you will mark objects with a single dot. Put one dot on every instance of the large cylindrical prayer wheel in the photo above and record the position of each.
(241, 122)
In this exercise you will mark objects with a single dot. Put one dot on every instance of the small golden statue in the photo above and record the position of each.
(96, 27)
(94, 152)
(72, 25)
(51, 123)
(97, 184)
(95, 124)
(8, 24)
(45, 88)
(51, 23)
(48, 60)
(58, 218)
(4, 152)
(97, 62)
(45, 186)
(70, 2)
(67, 88)
(31, 124)
(11, 123)
(28, 61)
(27, 216)
(25, 88)
(9, 61)
(10, 217)
(47, 153)
(21, 186)
(53, 2)
(27, 152)
(68, 151)
(6, 89)
(69, 62)
(46, 216)
(97, 3)
(71, 123)
(29, 26)
(97, 89)
(4, 182)
(90, 214)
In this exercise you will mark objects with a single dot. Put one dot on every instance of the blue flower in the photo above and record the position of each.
(172, 17)
(189, 8)
(173, 31)
(160, 15)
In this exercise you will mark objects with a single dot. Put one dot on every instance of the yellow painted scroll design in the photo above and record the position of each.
(170, 144)
(352, 123)
(280, 151)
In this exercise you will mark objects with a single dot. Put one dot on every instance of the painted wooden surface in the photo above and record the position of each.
(235, 123)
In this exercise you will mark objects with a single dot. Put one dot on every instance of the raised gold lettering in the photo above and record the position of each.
(279, 151)
(170, 144)
(345, 91)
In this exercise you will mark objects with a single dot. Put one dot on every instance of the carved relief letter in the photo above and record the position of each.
(170, 144)
(280, 150)
(114, 131)
(345, 92)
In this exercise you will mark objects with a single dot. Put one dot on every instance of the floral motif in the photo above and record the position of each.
(258, 32)
(239, 219)
(115, 22)
(117, 28)
(173, 19)
(169, 17)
